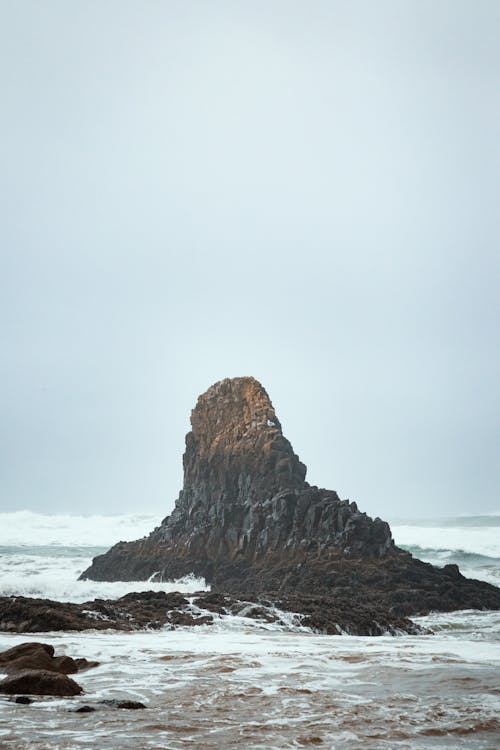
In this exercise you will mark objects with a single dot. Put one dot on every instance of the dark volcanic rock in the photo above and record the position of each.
(36, 656)
(244, 499)
(131, 705)
(145, 609)
(248, 522)
(33, 668)
(83, 664)
(25, 649)
(39, 682)
(345, 614)
(33, 655)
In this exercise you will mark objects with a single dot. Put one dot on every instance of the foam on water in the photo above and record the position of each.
(243, 683)
(249, 688)
(25, 528)
(480, 540)
(54, 577)
(471, 542)
(43, 555)
(290, 622)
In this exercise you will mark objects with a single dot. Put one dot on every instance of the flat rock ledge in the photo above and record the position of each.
(152, 610)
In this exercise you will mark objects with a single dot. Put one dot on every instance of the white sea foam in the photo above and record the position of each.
(479, 540)
(25, 528)
(52, 577)
(471, 542)
(239, 687)
(244, 683)
(43, 555)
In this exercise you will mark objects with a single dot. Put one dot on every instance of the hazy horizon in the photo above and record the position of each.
(305, 193)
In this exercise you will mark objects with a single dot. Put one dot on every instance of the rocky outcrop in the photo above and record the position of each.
(39, 682)
(36, 656)
(32, 668)
(157, 609)
(130, 705)
(249, 523)
(135, 611)
(244, 499)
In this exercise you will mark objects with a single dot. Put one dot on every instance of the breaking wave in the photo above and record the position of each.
(471, 542)
(25, 528)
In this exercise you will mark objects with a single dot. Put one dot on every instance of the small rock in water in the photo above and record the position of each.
(35, 656)
(309, 740)
(39, 682)
(84, 710)
(113, 703)
(23, 699)
(82, 664)
(40, 656)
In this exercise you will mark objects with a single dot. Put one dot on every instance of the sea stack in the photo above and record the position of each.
(248, 522)
(244, 499)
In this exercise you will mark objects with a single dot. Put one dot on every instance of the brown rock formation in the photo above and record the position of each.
(248, 522)
(33, 668)
(157, 609)
(39, 682)
(36, 656)
(244, 499)
(135, 611)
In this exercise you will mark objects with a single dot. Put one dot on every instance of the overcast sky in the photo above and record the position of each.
(306, 192)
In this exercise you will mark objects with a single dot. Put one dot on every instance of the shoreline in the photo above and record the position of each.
(153, 610)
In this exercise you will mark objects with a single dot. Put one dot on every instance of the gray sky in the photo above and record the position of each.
(306, 192)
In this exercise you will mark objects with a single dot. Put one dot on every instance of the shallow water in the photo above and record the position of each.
(248, 684)
(239, 685)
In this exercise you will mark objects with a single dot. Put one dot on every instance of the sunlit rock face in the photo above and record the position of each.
(249, 523)
(244, 500)
(245, 494)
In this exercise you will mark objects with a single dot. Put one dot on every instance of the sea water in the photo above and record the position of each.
(244, 684)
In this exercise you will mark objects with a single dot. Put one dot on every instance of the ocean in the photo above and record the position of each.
(246, 684)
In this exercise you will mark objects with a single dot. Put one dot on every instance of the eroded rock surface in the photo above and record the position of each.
(39, 682)
(244, 499)
(33, 668)
(249, 523)
(135, 611)
(36, 656)
(157, 609)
